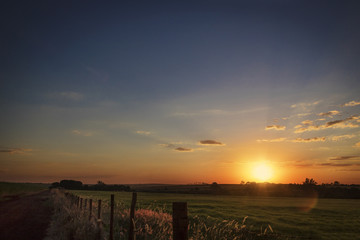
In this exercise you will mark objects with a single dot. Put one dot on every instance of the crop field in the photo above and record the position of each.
(307, 218)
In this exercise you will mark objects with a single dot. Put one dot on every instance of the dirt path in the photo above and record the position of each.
(26, 217)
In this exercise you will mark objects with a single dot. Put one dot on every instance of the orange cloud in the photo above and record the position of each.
(307, 140)
(329, 114)
(272, 140)
(351, 104)
(343, 123)
(341, 137)
(275, 127)
(345, 158)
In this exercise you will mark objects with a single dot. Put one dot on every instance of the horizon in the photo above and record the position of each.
(180, 91)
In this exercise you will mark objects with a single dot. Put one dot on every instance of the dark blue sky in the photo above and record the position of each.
(174, 68)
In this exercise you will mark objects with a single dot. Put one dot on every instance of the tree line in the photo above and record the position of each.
(100, 186)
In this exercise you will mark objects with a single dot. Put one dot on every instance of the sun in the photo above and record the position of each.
(262, 172)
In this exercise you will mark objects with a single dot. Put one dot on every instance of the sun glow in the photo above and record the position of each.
(262, 172)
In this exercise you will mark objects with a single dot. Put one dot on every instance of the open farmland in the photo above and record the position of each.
(303, 217)
(13, 190)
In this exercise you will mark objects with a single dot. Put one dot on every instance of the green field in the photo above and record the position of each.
(305, 217)
(8, 190)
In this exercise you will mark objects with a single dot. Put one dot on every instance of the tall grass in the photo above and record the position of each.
(69, 222)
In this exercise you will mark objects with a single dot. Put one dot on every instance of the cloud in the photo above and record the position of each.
(217, 112)
(272, 140)
(210, 142)
(146, 133)
(82, 133)
(345, 158)
(338, 164)
(306, 128)
(351, 104)
(343, 123)
(15, 150)
(307, 140)
(182, 149)
(303, 114)
(329, 114)
(307, 122)
(305, 105)
(275, 127)
(341, 137)
(176, 148)
(167, 145)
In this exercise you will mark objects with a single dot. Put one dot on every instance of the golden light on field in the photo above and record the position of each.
(262, 172)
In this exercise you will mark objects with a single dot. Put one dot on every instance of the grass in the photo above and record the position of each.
(72, 222)
(303, 217)
(9, 190)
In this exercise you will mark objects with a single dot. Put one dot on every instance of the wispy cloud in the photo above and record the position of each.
(340, 158)
(182, 149)
(351, 104)
(275, 127)
(15, 150)
(211, 142)
(82, 133)
(342, 137)
(305, 106)
(272, 140)
(303, 114)
(307, 122)
(329, 114)
(338, 164)
(219, 112)
(342, 123)
(146, 133)
(307, 140)
(176, 148)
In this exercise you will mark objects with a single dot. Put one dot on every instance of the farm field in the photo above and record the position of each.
(302, 217)
(8, 190)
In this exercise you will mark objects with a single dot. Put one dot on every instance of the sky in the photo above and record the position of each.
(180, 91)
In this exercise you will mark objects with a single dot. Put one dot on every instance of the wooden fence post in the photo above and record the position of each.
(85, 204)
(111, 235)
(99, 209)
(90, 208)
(180, 221)
(81, 200)
(132, 215)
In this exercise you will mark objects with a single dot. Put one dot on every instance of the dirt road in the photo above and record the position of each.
(25, 217)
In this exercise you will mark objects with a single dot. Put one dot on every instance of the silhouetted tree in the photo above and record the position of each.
(71, 184)
(310, 182)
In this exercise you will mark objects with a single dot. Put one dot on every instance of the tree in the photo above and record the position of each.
(309, 182)
(71, 184)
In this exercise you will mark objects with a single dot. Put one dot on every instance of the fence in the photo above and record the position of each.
(179, 217)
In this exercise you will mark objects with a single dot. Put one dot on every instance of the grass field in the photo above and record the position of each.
(305, 217)
(13, 189)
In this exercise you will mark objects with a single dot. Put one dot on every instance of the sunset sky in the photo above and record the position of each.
(179, 91)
